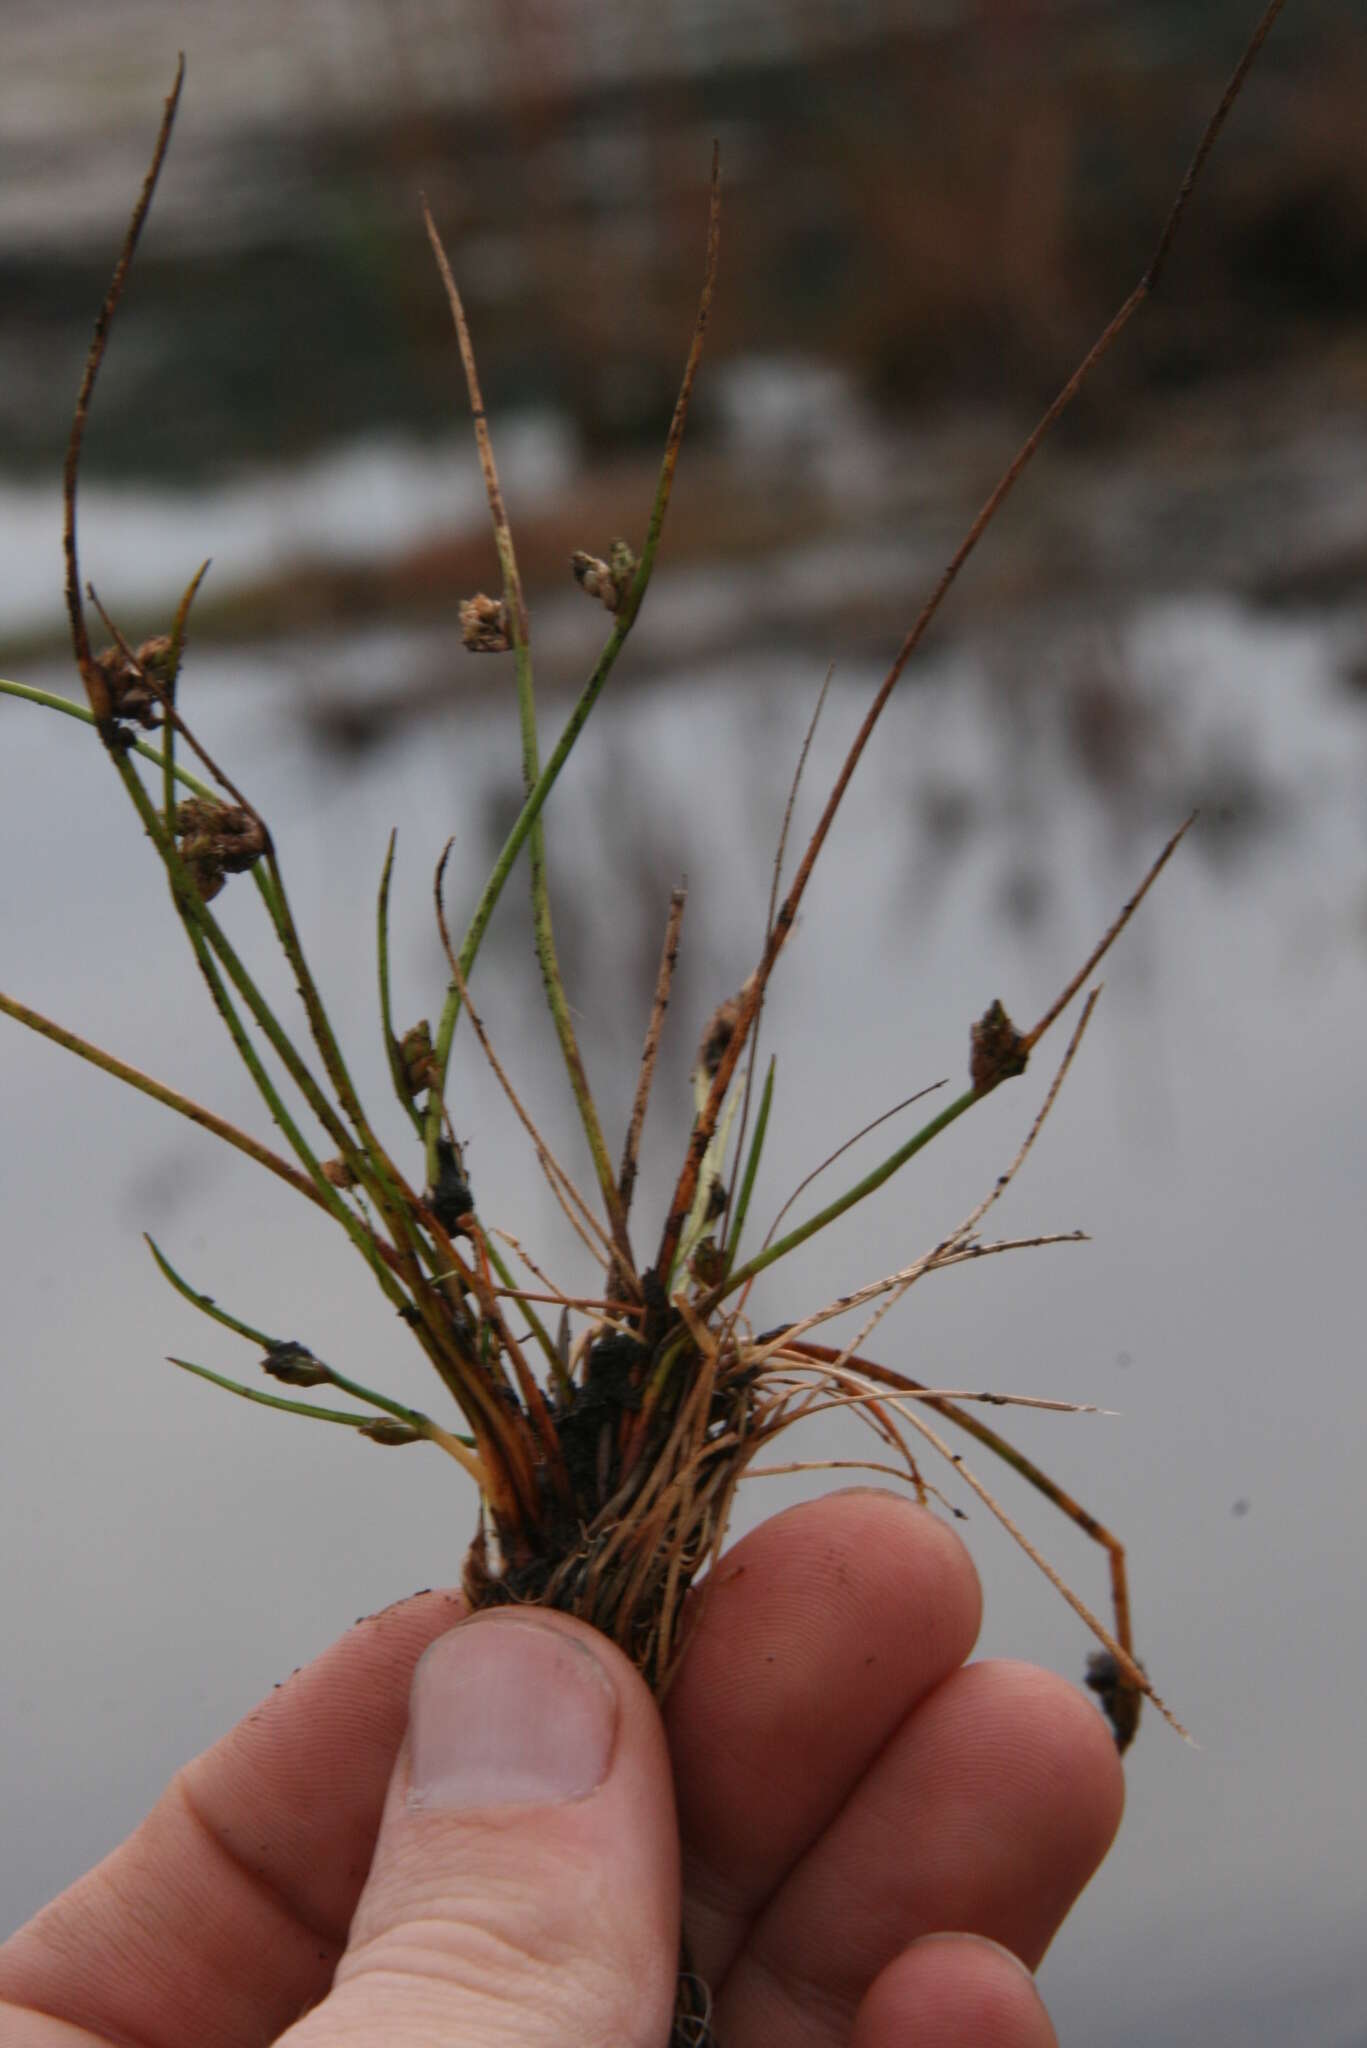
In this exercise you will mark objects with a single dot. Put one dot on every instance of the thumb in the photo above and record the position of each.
(525, 1883)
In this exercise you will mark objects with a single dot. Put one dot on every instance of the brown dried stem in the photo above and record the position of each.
(775, 881)
(783, 923)
(560, 1183)
(669, 953)
(207, 1119)
(1104, 945)
(97, 689)
(543, 925)
(623, 621)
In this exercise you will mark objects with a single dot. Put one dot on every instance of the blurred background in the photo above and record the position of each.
(930, 211)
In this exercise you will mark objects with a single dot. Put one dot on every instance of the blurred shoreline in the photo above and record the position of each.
(929, 214)
(943, 204)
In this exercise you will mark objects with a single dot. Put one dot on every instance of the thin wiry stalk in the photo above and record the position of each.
(209, 941)
(793, 788)
(1134, 1676)
(553, 1293)
(559, 1180)
(310, 1409)
(390, 1186)
(1104, 945)
(186, 897)
(524, 1302)
(391, 1043)
(792, 1466)
(783, 922)
(1001, 1447)
(732, 1235)
(962, 1242)
(747, 1184)
(177, 649)
(97, 688)
(533, 1400)
(182, 617)
(631, 603)
(50, 701)
(519, 629)
(423, 1424)
(1020, 1048)
(503, 533)
(195, 1112)
(205, 1303)
(840, 1150)
(170, 713)
(596, 1305)
(368, 1165)
(931, 1395)
(858, 1193)
(949, 1252)
(669, 953)
(623, 621)
(199, 924)
(1208, 139)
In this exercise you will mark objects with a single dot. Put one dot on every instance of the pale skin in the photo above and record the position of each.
(876, 1835)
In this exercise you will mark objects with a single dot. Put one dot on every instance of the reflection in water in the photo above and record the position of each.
(1197, 704)
(1169, 620)
(1207, 1139)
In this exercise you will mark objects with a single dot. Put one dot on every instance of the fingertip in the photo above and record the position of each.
(903, 1525)
(865, 1559)
(954, 1991)
(1011, 1739)
(815, 1635)
(1066, 1743)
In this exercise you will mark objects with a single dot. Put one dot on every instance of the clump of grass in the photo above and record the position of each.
(607, 1449)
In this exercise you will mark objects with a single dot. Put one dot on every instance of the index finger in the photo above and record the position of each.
(222, 1916)
(818, 1634)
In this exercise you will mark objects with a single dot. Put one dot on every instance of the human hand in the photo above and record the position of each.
(862, 1818)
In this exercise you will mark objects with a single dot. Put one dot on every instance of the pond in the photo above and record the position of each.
(189, 1551)
(1170, 617)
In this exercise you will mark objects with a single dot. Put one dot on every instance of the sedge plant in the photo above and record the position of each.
(607, 1440)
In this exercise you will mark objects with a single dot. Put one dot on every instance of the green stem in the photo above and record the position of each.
(751, 1165)
(371, 1164)
(502, 868)
(391, 1043)
(197, 918)
(146, 1085)
(624, 619)
(552, 980)
(455, 1446)
(206, 939)
(192, 909)
(315, 1414)
(320, 1026)
(206, 1304)
(538, 1328)
(168, 769)
(69, 708)
(870, 1182)
(368, 1164)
